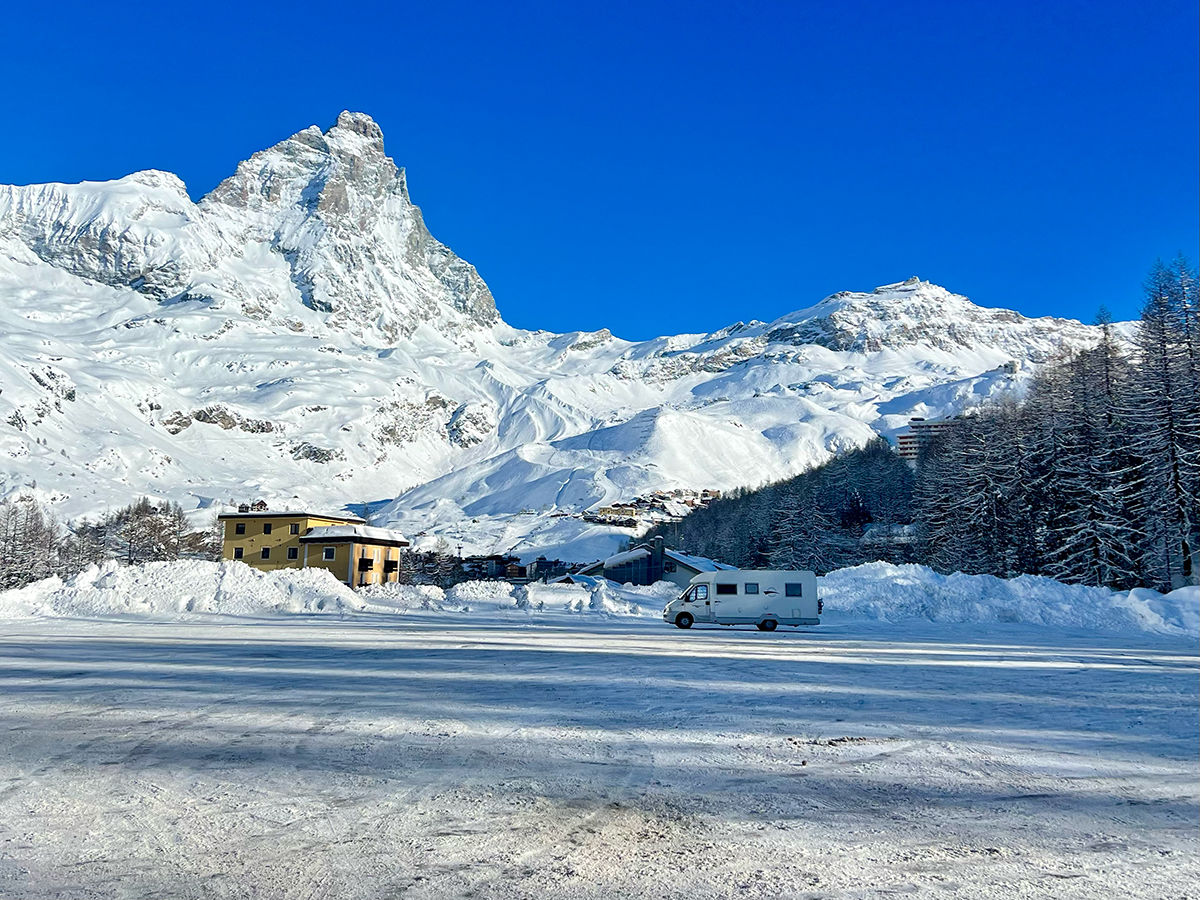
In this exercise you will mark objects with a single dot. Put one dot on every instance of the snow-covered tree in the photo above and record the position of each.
(1164, 416)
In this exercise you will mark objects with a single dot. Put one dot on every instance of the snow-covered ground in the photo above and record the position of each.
(565, 742)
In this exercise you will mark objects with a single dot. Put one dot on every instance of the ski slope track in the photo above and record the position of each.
(299, 336)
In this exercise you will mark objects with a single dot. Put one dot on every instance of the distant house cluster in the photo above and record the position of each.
(646, 564)
(653, 508)
(509, 568)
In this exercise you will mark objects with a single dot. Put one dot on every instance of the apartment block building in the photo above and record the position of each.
(356, 553)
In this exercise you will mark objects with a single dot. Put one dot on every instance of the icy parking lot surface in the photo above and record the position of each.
(426, 756)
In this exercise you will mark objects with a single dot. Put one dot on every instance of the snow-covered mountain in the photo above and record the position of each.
(298, 335)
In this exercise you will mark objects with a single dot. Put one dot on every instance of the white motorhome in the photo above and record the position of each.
(761, 597)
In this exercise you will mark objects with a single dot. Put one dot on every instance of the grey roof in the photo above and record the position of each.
(290, 514)
(361, 533)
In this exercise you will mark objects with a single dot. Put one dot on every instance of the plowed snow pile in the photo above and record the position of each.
(599, 596)
(879, 591)
(189, 587)
(893, 593)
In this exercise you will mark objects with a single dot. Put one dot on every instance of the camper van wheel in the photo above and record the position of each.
(767, 625)
(684, 620)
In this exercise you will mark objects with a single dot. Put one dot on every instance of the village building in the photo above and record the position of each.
(542, 569)
(355, 552)
(649, 563)
(482, 568)
(920, 432)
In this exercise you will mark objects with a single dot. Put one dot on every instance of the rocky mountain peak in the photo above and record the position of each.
(916, 313)
(314, 169)
(321, 223)
(360, 124)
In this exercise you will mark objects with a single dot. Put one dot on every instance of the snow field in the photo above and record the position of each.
(209, 730)
(439, 756)
(876, 591)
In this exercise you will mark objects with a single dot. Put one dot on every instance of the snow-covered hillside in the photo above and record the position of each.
(298, 335)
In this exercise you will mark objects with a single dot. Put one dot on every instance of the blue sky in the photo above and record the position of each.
(666, 167)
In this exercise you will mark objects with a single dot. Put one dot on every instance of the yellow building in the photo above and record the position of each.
(355, 552)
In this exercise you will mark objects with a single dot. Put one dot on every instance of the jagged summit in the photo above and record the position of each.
(322, 222)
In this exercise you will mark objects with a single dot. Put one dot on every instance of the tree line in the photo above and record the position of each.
(1093, 477)
(34, 545)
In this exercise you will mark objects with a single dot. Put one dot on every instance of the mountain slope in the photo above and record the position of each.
(299, 335)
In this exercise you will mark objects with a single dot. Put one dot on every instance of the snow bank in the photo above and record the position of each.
(482, 597)
(466, 597)
(233, 588)
(877, 591)
(892, 593)
(401, 597)
(180, 588)
(601, 596)
(192, 587)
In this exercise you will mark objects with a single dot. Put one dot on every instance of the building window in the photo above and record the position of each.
(266, 527)
(329, 551)
(793, 590)
(266, 553)
(750, 587)
(237, 552)
(295, 528)
(239, 528)
(726, 588)
(293, 552)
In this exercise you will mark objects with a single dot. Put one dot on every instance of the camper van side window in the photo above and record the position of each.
(751, 587)
(726, 588)
(702, 592)
(793, 590)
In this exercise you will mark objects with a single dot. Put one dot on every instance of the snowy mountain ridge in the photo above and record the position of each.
(298, 335)
(324, 217)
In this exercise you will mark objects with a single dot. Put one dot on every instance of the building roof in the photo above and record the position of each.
(291, 514)
(627, 556)
(699, 563)
(695, 563)
(365, 534)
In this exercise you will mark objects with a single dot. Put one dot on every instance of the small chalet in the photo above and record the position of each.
(648, 563)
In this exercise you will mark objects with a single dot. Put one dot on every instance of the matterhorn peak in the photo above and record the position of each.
(359, 123)
(315, 233)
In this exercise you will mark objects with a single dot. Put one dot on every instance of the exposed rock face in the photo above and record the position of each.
(322, 219)
(141, 231)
